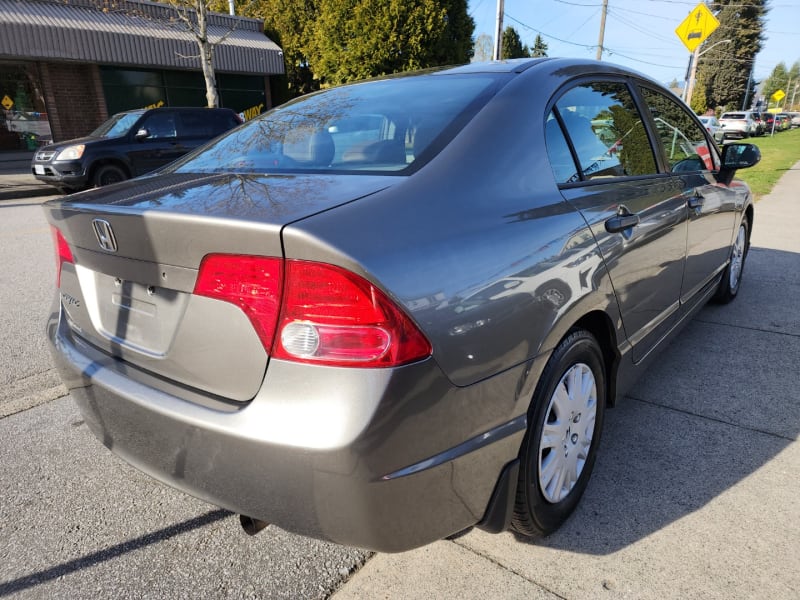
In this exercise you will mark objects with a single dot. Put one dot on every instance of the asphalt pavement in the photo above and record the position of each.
(694, 494)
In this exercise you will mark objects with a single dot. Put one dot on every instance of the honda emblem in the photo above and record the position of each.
(105, 235)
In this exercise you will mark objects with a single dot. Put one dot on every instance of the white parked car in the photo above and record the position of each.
(737, 124)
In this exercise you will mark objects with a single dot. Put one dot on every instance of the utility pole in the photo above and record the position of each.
(786, 97)
(231, 8)
(693, 73)
(498, 31)
(692, 76)
(602, 30)
(747, 91)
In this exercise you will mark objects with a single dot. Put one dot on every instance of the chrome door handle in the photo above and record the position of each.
(621, 223)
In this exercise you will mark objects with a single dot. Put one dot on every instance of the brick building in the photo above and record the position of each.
(66, 65)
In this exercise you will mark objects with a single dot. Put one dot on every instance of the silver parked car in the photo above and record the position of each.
(386, 312)
(712, 126)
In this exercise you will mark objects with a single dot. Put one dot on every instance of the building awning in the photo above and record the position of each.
(129, 32)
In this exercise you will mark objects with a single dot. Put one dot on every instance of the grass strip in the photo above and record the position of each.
(779, 153)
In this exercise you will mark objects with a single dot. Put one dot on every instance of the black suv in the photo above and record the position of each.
(129, 144)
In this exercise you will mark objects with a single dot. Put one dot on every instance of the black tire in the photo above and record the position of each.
(539, 511)
(732, 277)
(108, 174)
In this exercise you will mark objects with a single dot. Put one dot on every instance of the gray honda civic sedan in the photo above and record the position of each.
(387, 312)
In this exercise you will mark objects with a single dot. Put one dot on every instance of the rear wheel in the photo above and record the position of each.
(108, 174)
(560, 446)
(732, 278)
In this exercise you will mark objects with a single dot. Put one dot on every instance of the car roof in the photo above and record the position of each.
(565, 68)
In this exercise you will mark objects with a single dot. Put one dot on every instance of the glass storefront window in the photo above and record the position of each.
(126, 89)
(23, 116)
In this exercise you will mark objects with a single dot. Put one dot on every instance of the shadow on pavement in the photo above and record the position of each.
(715, 407)
(34, 579)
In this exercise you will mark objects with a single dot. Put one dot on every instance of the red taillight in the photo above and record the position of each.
(333, 316)
(253, 283)
(63, 253)
(328, 315)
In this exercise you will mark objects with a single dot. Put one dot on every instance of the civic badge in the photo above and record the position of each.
(105, 235)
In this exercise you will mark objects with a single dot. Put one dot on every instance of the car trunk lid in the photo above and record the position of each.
(136, 249)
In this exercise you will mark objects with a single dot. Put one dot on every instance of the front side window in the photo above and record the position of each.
(606, 132)
(683, 139)
(160, 125)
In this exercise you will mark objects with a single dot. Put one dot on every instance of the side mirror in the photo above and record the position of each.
(740, 156)
(737, 156)
(142, 134)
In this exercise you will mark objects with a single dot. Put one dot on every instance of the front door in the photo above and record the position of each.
(693, 161)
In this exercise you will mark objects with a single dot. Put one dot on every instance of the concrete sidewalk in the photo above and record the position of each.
(695, 491)
(20, 185)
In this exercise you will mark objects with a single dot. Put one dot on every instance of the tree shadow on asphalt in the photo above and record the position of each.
(90, 560)
(716, 406)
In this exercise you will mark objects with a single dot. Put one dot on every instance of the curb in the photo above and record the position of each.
(22, 192)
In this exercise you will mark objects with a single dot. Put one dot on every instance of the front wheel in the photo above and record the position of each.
(732, 278)
(108, 174)
(560, 446)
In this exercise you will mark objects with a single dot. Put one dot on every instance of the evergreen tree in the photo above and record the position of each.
(539, 47)
(512, 45)
(725, 68)
(356, 39)
(290, 25)
(777, 80)
(699, 102)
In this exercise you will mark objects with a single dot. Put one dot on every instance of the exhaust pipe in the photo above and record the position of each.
(251, 525)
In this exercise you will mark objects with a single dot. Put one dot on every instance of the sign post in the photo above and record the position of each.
(693, 31)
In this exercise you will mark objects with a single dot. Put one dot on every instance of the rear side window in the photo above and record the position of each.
(606, 132)
(682, 138)
(206, 123)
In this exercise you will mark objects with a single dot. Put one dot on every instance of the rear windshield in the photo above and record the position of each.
(117, 125)
(379, 126)
(734, 116)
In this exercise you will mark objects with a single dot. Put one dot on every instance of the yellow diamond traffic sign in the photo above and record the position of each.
(7, 102)
(695, 28)
(778, 96)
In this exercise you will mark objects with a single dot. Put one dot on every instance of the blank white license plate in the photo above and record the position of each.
(39, 169)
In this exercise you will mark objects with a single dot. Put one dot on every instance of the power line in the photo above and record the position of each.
(547, 35)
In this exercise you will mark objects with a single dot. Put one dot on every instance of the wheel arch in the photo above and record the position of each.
(600, 326)
(749, 213)
(108, 160)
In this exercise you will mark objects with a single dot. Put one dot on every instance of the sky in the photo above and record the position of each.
(640, 34)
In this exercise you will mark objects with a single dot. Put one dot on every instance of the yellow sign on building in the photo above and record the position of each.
(695, 28)
(7, 102)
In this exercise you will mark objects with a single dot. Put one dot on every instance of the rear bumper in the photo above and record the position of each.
(388, 459)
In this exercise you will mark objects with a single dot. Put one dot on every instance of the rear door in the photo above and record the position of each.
(693, 162)
(636, 212)
(196, 127)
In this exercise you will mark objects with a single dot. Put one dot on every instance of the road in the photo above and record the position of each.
(78, 522)
(27, 278)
